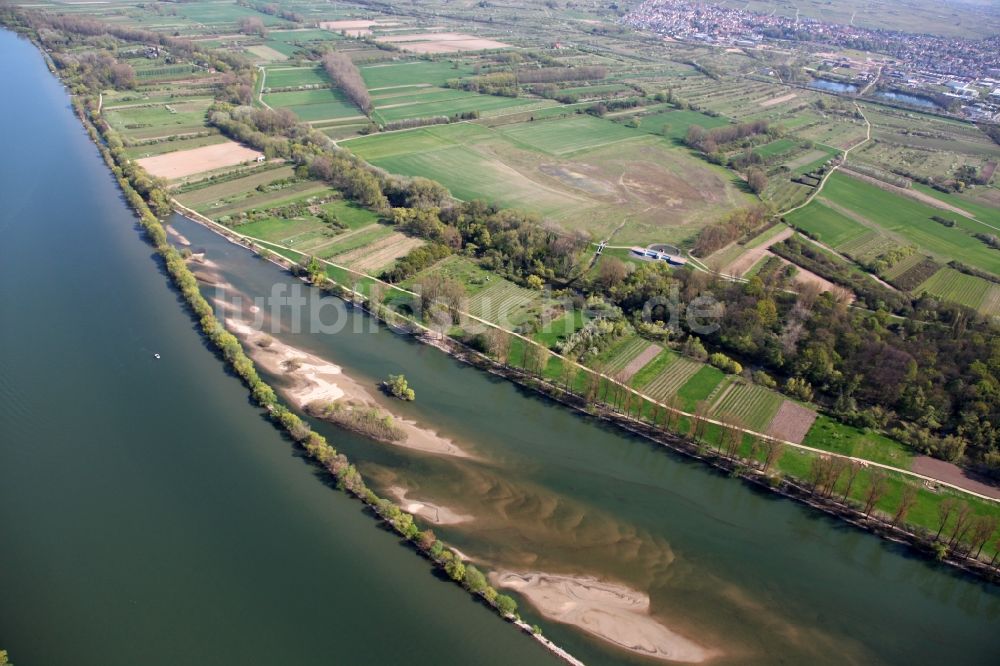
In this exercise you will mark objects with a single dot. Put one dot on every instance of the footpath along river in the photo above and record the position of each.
(148, 514)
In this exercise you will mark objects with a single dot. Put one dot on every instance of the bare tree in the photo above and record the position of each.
(982, 531)
(835, 470)
(876, 491)
(908, 499)
(945, 509)
(700, 424)
(853, 469)
(498, 344)
(963, 521)
(672, 415)
(772, 453)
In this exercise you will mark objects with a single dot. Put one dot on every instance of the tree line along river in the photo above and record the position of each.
(151, 515)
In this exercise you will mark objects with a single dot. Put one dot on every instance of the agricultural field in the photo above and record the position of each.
(747, 404)
(586, 173)
(911, 220)
(674, 124)
(183, 163)
(620, 361)
(294, 77)
(414, 72)
(147, 121)
(668, 381)
(831, 435)
(924, 145)
(968, 290)
(503, 302)
(863, 221)
(149, 149)
(489, 296)
(314, 105)
(433, 102)
(792, 422)
(569, 136)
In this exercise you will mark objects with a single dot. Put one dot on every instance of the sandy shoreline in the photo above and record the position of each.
(432, 513)
(609, 611)
(309, 378)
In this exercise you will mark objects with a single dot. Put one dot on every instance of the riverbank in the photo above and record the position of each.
(782, 485)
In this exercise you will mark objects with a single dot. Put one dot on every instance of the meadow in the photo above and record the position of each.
(434, 72)
(911, 220)
(314, 105)
(584, 172)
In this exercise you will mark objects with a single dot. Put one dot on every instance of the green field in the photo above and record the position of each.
(230, 190)
(567, 136)
(967, 290)
(436, 153)
(432, 102)
(747, 405)
(775, 148)
(291, 36)
(825, 224)
(700, 386)
(161, 147)
(140, 122)
(416, 71)
(674, 124)
(830, 435)
(911, 220)
(660, 192)
(314, 105)
(675, 373)
(283, 77)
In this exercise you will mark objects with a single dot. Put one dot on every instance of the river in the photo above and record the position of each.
(738, 570)
(148, 514)
(147, 499)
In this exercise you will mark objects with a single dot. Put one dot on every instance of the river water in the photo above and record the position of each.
(147, 508)
(761, 579)
(148, 514)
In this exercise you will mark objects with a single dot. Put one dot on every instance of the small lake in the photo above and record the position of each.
(912, 100)
(833, 86)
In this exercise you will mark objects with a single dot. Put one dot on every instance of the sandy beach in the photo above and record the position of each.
(432, 513)
(309, 378)
(612, 612)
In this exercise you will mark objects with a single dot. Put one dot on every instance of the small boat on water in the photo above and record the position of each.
(156, 355)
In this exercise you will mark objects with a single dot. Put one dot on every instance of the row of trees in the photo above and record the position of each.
(709, 141)
(346, 76)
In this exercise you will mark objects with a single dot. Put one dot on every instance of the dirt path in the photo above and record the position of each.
(636, 364)
(955, 475)
(833, 169)
(748, 259)
(260, 93)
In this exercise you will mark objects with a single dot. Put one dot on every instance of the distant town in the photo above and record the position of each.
(964, 74)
